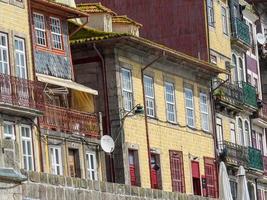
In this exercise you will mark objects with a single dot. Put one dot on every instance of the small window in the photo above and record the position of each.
(213, 59)
(256, 84)
(241, 70)
(155, 171)
(204, 111)
(211, 19)
(27, 151)
(56, 33)
(219, 133)
(232, 132)
(134, 167)
(189, 105)
(9, 130)
(56, 161)
(20, 59)
(4, 60)
(170, 102)
(149, 92)
(91, 165)
(224, 21)
(39, 26)
(127, 89)
(247, 133)
(240, 132)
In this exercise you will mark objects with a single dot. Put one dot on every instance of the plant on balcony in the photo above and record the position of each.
(218, 94)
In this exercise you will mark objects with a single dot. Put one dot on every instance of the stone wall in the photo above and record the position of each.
(41, 186)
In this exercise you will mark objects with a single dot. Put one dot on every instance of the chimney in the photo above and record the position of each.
(123, 24)
(100, 17)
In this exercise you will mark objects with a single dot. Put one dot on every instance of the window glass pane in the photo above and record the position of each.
(189, 103)
(39, 25)
(149, 92)
(170, 102)
(4, 65)
(127, 89)
(56, 33)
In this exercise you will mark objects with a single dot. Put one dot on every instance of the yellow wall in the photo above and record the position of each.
(163, 135)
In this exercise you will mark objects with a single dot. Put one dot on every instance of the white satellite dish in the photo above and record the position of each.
(261, 38)
(107, 144)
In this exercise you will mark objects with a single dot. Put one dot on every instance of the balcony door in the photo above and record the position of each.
(219, 133)
(74, 163)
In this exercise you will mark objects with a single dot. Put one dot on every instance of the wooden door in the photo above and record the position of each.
(74, 164)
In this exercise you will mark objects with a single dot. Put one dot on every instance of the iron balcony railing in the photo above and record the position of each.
(250, 94)
(234, 154)
(70, 121)
(240, 31)
(21, 92)
(255, 158)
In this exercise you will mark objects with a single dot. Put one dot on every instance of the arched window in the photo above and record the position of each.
(240, 132)
(247, 133)
(240, 70)
(234, 70)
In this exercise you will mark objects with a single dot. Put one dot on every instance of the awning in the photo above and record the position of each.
(65, 83)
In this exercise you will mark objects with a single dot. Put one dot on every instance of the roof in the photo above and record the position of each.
(69, 12)
(126, 20)
(94, 8)
(86, 35)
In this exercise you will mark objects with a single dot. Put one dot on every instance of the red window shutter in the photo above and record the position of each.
(132, 168)
(195, 169)
(211, 177)
(154, 173)
(177, 171)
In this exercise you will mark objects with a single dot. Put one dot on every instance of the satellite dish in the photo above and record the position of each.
(261, 38)
(107, 144)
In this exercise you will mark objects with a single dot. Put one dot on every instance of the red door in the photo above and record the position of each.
(132, 168)
(196, 178)
(177, 171)
(154, 175)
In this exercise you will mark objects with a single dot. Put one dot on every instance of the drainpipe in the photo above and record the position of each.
(106, 105)
(145, 112)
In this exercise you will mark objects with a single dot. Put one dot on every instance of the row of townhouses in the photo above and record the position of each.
(71, 72)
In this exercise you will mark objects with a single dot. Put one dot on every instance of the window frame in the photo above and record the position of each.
(204, 94)
(210, 12)
(27, 139)
(39, 29)
(224, 21)
(135, 156)
(54, 33)
(89, 168)
(149, 98)
(127, 90)
(52, 160)
(188, 89)
(23, 53)
(166, 83)
(12, 124)
(5, 48)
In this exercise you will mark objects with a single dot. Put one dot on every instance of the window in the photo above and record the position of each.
(210, 174)
(224, 21)
(254, 139)
(204, 111)
(149, 92)
(74, 163)
(39, 26)
(177, 171)
(21, 70)
(196, 178)
(91, 165)
(232, 131)
(240, 132)
(213, 59)
(4, 64)
(127, 89)
(189, 105)
(241, 72)
(134, 167)
(170, 102)
(234, 63)
(260, 143)
(249, 79)
(56, 33)
(56, 161)
(219, 133)
(256, 84)
(247, 133)
(27, 152)
(233, 186)
(251, 34)
(210, 13)
(155, 171)
(9, 130)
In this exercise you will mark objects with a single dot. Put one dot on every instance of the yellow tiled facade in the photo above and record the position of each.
(163, 135)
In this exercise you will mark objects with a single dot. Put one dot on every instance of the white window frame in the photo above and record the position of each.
(247, 135)
(171, 103)
(21, 54)
(54, 165)
(26, 155)
(90, 169)
(59, 43)
(233, 132)
(211, 15)
(204, 112)
(219, 133)
(224, 20)
(41, 30)
(150, 99)
(6, 50)
(127, 93)
(187, 89)
(8, 135)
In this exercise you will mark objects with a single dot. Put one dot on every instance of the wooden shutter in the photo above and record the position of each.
(195, 169)
(211, 177)
(177, 171)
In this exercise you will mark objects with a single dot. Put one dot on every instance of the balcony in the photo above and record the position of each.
(70, 121)
(240, 32)
(19, 96)
(235, 154)
(250, 95)
(255, 159)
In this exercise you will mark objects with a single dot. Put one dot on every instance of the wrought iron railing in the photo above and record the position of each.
(235, 154)
(250, 94)
(21, 92)
(240, 31)
(70, 121)
(255, 158)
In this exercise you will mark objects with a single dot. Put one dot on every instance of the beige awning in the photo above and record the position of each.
(65, 83)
